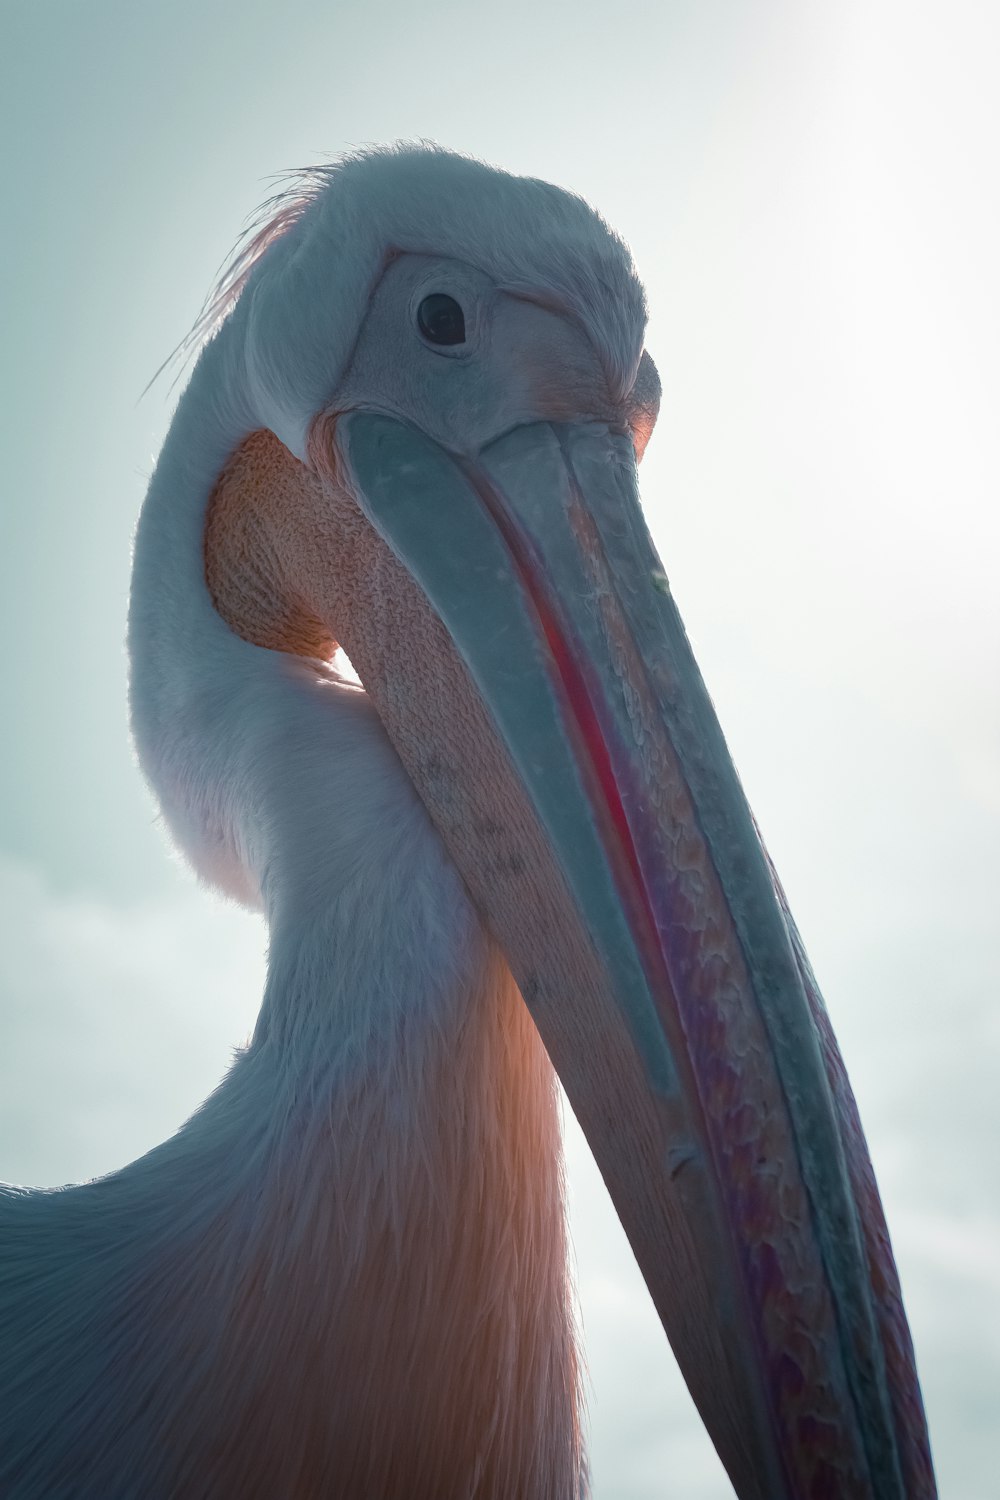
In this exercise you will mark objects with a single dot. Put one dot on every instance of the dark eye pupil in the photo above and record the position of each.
(441, 320)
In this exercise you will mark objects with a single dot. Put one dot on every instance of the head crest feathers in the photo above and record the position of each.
(300, 277)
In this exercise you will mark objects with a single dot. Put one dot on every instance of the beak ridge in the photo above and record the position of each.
(713, 1114)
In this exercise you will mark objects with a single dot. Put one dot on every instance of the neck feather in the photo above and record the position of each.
(347, 1273)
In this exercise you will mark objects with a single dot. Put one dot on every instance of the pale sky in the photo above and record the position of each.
(810, 192)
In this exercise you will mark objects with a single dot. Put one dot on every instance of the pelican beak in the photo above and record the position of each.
(555, 724)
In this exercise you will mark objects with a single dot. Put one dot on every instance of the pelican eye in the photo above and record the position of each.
(441, 320)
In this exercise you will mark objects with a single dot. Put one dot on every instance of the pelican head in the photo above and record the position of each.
(415, 435)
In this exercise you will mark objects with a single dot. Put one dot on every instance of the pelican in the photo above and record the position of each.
(519, 850)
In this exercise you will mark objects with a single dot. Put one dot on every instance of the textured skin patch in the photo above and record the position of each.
(257, 558)
(643, 405)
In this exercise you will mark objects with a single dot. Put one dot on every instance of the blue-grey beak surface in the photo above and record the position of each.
(605, 838)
